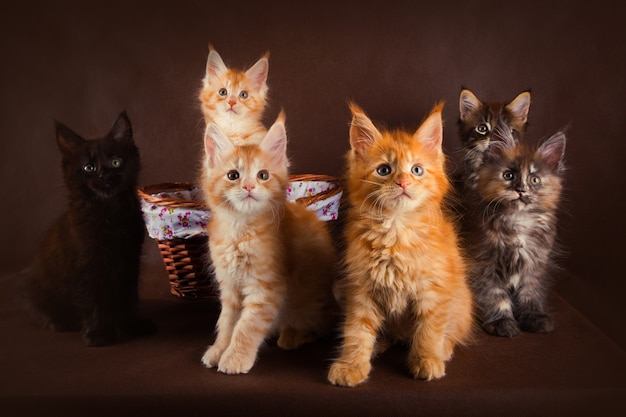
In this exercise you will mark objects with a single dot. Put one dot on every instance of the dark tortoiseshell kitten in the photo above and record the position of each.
(85, 275)
(476, 124)
(511, 221)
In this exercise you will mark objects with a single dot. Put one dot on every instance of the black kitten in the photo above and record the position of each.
(86, 273)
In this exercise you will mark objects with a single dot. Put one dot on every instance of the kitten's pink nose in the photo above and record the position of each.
(232, 102)
(403, 181)
(248, 187)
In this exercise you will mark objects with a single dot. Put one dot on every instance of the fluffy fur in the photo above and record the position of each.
(405, 275)
(234, 99)
(86, 272)
(273, 260)
(512, 228)
(477, 122)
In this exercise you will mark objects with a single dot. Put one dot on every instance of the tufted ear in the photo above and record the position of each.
(468, 103)
(520, 105)
(214, 64)
(553, 151)
(216, 144)
(363, 133)
(121, 129)
(275, 142)
(258, 72)
(430, 132)
(67, 140)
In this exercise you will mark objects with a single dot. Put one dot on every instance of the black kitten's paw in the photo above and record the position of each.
(502, 327)
(537, 324)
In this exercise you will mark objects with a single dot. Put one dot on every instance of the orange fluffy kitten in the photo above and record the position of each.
(234, 99)
(273, 259)
(405, 276)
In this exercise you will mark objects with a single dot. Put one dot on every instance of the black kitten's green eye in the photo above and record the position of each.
(243, 94)
(263, 175)
(89, 168)
(417, 170)
(383, 170)
(232, 175)
(483, 128)
(534, 180)
(116, 163)
(222, 92)
(508, 175)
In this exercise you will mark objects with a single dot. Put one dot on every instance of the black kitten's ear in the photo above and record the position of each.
(67, 139)
(121, 129)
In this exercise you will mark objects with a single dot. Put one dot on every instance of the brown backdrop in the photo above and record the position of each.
(82, 64)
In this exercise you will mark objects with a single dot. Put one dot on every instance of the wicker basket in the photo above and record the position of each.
(185, 258)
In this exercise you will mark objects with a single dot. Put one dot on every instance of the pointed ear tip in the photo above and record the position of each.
(355, 108)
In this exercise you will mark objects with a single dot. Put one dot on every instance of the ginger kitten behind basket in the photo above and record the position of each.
(234, 99)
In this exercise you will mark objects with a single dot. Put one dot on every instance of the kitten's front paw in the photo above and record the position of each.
(537, 324)
(212, 356)
(502, 327)
(428, 368)
(346, 375)
(235, 363)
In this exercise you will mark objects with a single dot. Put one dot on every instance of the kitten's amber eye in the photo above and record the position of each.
(243, 94)
(116, 163)
(89, 168)
(535, 180)
(417, 170)
(383, 170)
(508, 175)
(483, 128)
(232, 175)
(222, 92)
(263, 175)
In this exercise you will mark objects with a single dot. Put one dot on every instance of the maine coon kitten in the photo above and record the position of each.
(405, 276)
(86, 273)
(476, 123)
(273, 260)
(234, 99)
(513, 228)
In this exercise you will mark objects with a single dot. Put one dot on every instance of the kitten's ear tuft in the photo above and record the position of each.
(214, 64)
(282, 117)
(553, 151)
(363, 133)
(275, 142)
(468, 104)
(216, 144)
(430, 132)
(520, 105)
(67, 140)
(121, 129)
(258, 72)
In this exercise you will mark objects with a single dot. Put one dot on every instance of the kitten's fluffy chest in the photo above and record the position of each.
(239, 242)
(397, 262)
(524, 238)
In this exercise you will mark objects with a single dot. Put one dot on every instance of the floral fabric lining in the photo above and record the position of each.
(167, 223)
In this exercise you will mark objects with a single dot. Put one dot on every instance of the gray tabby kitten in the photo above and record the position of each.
(511, 222)
(476, 124)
